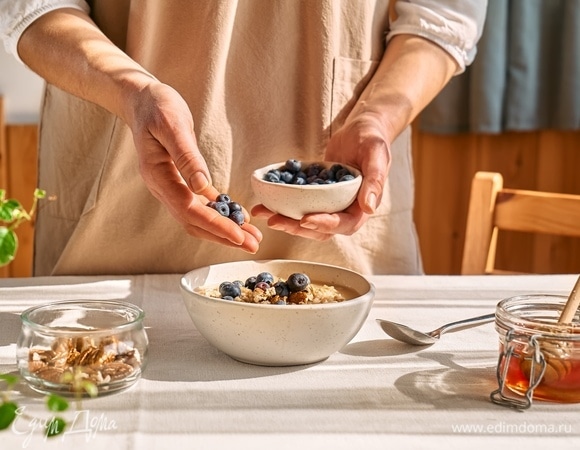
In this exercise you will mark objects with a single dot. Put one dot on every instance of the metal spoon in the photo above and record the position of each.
(405, 334)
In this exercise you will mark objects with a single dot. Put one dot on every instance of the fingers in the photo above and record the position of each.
(191, 211)
(320, 227)
(175, 171)
(251, 242)
(165, 116)
(375, 168)
(190, 164)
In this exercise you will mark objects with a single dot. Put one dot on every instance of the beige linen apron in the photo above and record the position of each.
(266, 80)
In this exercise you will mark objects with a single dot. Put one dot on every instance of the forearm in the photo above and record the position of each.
(412, 72)
(68, 50)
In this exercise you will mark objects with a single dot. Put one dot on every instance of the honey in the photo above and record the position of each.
(539, 357)
(559, 383)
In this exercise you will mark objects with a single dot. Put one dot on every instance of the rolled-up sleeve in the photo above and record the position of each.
(455, 25)
(17, 15)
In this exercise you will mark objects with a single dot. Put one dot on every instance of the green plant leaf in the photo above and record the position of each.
(9, 209)
(8, 245)
(56, 403)
(9, 379)
(39, 193)
(7, 414)
(55, 426)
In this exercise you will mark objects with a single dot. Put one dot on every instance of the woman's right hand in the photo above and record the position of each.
(174, 170)
(68, 50)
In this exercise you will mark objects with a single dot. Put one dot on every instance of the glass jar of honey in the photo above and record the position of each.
(539, 358)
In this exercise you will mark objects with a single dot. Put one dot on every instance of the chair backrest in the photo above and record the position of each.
(493, 208)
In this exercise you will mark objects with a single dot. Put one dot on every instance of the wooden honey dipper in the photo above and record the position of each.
(571, 306)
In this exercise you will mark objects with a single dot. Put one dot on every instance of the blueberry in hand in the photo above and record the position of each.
(238, 217)
(223, 198)
(234, 206)
(222, 208)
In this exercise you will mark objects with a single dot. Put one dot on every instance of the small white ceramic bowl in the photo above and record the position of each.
(295, 201)
(277, 335)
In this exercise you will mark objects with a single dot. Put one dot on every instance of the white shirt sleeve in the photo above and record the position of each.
(455, 25)
(17, 15)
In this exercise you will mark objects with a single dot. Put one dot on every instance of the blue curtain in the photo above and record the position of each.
(526, 75)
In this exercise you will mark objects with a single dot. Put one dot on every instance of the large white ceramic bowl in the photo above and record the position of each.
(295, 201)
(277, 335)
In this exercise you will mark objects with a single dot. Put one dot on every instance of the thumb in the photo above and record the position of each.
(375, 169)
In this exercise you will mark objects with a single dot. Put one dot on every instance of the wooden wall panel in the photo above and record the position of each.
(21, 166)
(544, 160)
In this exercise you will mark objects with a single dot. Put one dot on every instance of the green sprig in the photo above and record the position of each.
(12, 214)
(9, 408)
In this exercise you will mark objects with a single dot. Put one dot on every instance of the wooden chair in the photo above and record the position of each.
(493, 208)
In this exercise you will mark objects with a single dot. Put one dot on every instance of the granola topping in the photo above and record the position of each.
(98, 361)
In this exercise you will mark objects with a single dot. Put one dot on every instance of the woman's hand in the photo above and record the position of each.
(174, 170)
(66, 48)
(360, 143)
(412, 71)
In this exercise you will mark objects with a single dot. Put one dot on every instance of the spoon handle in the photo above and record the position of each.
(466, 323)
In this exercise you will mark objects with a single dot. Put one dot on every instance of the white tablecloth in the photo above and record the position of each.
(375, 393)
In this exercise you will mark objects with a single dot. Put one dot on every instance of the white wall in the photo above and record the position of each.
(21, 89)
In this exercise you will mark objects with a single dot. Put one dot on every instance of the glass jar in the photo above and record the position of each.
(539, 357)
(73, 347)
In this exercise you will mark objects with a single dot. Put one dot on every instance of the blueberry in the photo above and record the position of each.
(250, 283)
(342, 172)
(262, 285)
(227, 288)
(238, 217)
(326, 174)
(234, 206)
(222, 208)
(282, 289)
(298, 282)
(227, 297)
(299, 176)
(293, 172)
(336, 167)
(280, 302)
(286, 176)
(313, 169)
(266, 277)
(223, 198)
(293, 165)
(273, 176)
